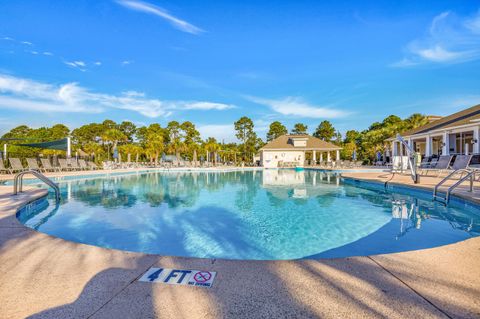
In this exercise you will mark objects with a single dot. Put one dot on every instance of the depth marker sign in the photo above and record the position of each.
(168, 276)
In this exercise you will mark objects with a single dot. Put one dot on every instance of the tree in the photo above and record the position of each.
(191, 137)
(131, 149)
(129, 129)
(212, 147)
(299, 128)
(154, 142)
(415, 120)
(175, 137)
(244, 127)
(277, 129)
(113, 136)
(352, 136)
(325, 131)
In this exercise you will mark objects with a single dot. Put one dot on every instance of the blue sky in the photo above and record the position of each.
(351, 62)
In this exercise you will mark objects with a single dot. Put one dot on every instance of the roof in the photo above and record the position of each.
(456, 119)
(285, 142)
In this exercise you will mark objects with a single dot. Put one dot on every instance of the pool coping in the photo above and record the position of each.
(457, 197)
(383, 261)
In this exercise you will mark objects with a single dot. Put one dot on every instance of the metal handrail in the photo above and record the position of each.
(18, 182)
(470, 174)
(412, 159)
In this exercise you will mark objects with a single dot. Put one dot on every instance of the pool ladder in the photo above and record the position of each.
(470, 174)
(18, 182)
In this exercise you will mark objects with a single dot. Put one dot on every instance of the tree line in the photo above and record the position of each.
(149, 143)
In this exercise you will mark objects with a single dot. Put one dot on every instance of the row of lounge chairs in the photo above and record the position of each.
(339, 164)
(443, 164)
(46, 166)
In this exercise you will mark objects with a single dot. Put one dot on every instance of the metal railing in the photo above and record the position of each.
(470, 174)
(18, 182)
(412, 159)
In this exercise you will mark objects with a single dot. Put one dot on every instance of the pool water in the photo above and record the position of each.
(264, 215)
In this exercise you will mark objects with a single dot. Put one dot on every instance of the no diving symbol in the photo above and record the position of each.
(202, 276)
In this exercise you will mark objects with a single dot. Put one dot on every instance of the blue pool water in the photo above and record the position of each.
(270, 214)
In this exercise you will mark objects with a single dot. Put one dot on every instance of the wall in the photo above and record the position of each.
(270, 159)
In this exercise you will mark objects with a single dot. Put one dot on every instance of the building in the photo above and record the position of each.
(292, 150)
(451, 135)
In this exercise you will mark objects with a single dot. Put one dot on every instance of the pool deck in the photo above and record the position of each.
(46, 277)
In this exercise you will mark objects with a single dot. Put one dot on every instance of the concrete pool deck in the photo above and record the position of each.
(46, 277)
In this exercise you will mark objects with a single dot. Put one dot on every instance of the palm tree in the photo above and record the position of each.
(128, 149)
(154, 145)
(211, 146)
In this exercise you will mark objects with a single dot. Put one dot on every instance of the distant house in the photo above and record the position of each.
(457, 133)
(291, 150)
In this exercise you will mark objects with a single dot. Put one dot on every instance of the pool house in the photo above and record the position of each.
(293, 150)
(455, 134)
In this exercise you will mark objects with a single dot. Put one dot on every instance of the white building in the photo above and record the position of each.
(292, 150)
(451, 135)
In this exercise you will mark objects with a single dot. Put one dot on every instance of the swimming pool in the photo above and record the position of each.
(260, 214)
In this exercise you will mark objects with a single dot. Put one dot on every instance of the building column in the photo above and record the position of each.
(321, 157)
(428, 146)
(338, 155)
(329, 159)
(314, 156)
(394, 148)
(446, 142)
(476, 136)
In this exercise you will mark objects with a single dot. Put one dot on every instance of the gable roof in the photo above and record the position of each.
(285, 142)
(456, 119)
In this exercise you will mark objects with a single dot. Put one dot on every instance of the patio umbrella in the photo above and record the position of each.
(163, 157)
(354, 155)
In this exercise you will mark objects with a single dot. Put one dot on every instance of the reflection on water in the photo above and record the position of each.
(270, 214)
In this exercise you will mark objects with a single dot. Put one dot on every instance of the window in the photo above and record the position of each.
(462, 143)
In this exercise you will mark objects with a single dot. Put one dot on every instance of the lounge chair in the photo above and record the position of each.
(3, 168)
(92, 165)
(16, 165)
(441, 165)
(33, 164)
(74, 164)
(83, 164)
(432, 163)
(461, 162)
(47, 166)
(64, 164)
(425, 163)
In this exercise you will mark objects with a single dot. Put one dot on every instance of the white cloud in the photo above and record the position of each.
(47, 53)
(76, 64)
(439, 54)
(7, 39)
(207, 106)
(126, 62)
(25, 94)
(182, 25)
(80, 63)
(98, 63)
(295, 106)
(34, 52)
(450, 39)
(473, 24)
(27, 43)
